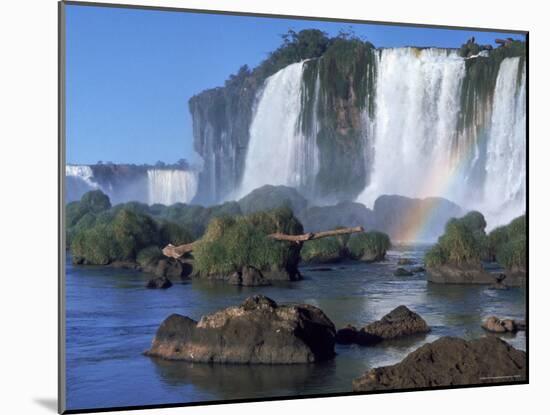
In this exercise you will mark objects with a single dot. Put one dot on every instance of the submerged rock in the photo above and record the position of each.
(449, 361)
(459, 274)
(397, 323)
(405, 261)
(347, 335)
(402, 272)
(497, 325)
(516, 277)
(257, 331)
(159, 282)
(170, 268)
(248, 277)
(418, 269)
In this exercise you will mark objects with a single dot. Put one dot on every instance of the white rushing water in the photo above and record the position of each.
(415, 144)
(83, 173)
(171, 186)
(417, 108)
(506, 148)
(278, 152)
(418, 150)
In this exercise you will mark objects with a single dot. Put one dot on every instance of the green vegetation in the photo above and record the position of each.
(118, 240)
(465, 242)
(508, 244)
(368, 246)
(98, 233)
(480, 80)
(231, 243)
(324, 250)
(149, 256)
(462, 243)
(270, 197)
(194, 218)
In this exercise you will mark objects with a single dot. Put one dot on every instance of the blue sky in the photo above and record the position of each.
(131, 72)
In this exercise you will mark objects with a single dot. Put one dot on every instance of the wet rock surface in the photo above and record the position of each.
(400, 322)
(257, 331)
(506, 325)
(449, 361)
(159, 282)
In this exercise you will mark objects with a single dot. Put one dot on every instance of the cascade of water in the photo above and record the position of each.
(432, 131)
(415, 125)
(171, 186)
(505, 168)
(278, 152)
(83, 173)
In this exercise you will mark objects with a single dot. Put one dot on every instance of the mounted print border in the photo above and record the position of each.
(260, 207)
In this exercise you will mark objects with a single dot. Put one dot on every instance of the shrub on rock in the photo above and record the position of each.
(323, 250)
(369, 246)
(231, 243)
(462, 243)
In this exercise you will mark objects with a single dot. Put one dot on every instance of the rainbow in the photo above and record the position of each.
(440, 181)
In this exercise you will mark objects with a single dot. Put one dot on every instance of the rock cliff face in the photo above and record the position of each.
(221, 119)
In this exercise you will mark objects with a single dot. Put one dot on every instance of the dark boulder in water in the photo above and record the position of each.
(270, 197)
(159, 282)
(449, 361)
(345, 214)
(402, 272)
(505, 325)
(257, 331)
(248, 277)
(347, 335)
(459, 274)
(392, 215)
(399, 322)
(171, 268)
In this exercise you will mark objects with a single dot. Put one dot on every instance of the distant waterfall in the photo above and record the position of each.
(171, 186)
(83, 173)
(278, 152)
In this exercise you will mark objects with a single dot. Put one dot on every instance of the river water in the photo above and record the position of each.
(112, 319)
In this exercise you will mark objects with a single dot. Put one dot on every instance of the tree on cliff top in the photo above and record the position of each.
(297, 46)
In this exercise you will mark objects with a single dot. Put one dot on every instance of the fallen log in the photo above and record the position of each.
(177, 252)
(314, 235)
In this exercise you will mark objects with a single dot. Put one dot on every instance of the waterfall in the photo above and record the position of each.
(415, 123)
(79, 179)
(83, 173)
(506, 149)
(278, 151)
(419, 149)
(422, 123)
(171, 186)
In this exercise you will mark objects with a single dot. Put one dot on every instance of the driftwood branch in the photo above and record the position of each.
(176, 252)
(310, 236)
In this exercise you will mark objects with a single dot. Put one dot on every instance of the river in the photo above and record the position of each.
(111, 319)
